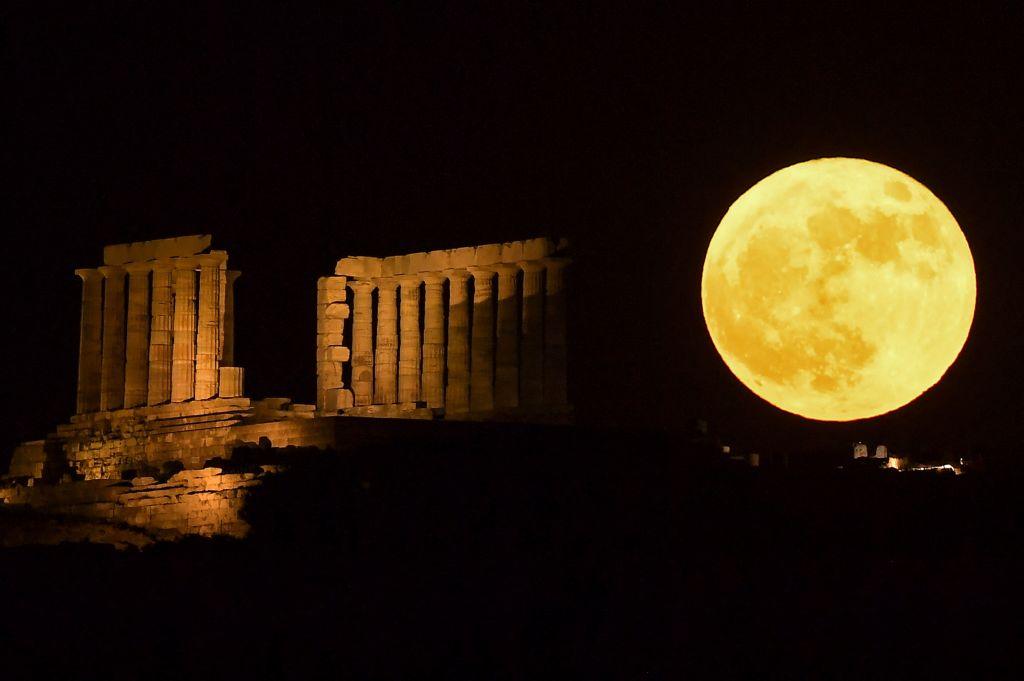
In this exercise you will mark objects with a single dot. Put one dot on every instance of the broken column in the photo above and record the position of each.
(136, 372)
(112, 371)
(481, 382)
(362, 341)
(433, 340)
(161, 316)
(207, 373)
(409, 348)
(331, 353)
(457, 393)
(506, 356)
(385, 361)
(554, 333)
(89, 348)
(184, 331)
(531, 366)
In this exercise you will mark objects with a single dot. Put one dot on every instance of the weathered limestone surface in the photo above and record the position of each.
(161, 316)
(481, 388)
(89, 346)
(362, 342)
(454, 258)
(184, 347)
(331, 354)
(457, 396)
(385, 361)
(531, 374)
(140, 251)
(232, 382)
(136, 375)
(112, 371)
(208, 333)
(433, 341)
(409, 349)
(506, 371)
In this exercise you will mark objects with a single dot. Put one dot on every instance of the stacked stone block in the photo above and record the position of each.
(331, 352)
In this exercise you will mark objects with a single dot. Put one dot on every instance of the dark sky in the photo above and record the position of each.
(296, 138)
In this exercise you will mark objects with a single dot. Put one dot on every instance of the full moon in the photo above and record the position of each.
(838, 289)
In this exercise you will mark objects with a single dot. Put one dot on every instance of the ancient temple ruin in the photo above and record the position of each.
(466, 334)
(470, 333)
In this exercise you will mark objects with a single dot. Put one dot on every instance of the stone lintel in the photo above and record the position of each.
(453, 258)
(121, 254)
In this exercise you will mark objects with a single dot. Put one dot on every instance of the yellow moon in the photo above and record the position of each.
(838, 289)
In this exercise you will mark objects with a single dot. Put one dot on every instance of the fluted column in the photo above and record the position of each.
(555, 392)
(531, 365)
(184, 339)
(208, 332)
(89, 348)
(112, 371)
(228, 353)
(506, 371)
(362, 341)
(481, 382)
(161, 322)
(433, 340)
(136, 371)
(457, 391)
(409, 348)
(385, 361)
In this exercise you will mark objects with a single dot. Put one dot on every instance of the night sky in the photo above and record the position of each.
(297, 138)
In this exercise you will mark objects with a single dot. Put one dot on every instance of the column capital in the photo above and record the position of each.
(409, 280)
(232, 275)
(135, 268)
(457, 275)
(432, 278)
(481, 271)
(386, 283)
(109, 271)
(505, 269)
(184, 263)
(362, 285)
(531, 265)
(161, 265)
(211, 259)
(88, 273)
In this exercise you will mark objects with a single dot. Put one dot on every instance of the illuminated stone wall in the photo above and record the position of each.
(470, 333)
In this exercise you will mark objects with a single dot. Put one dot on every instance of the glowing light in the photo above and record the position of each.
(838, 289)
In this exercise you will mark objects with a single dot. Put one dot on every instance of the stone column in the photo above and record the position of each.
(112, 371)
(331, 354)
(409, 348)
(228, 354)
(481, 381)
(161, 316)
(385, 360)
(433, 340)
(506, 372)
(362, 341)
(136, 372)
(531, 365)
(555, 392)
(207, 377)
(457, 391)
(184, 339)
(89, 348)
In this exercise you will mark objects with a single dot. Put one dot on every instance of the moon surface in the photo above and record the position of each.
(838, 289)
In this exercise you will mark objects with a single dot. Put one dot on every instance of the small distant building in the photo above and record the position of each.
(860, 451)
(881, 452)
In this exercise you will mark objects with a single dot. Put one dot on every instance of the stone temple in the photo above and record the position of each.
(465, 334)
